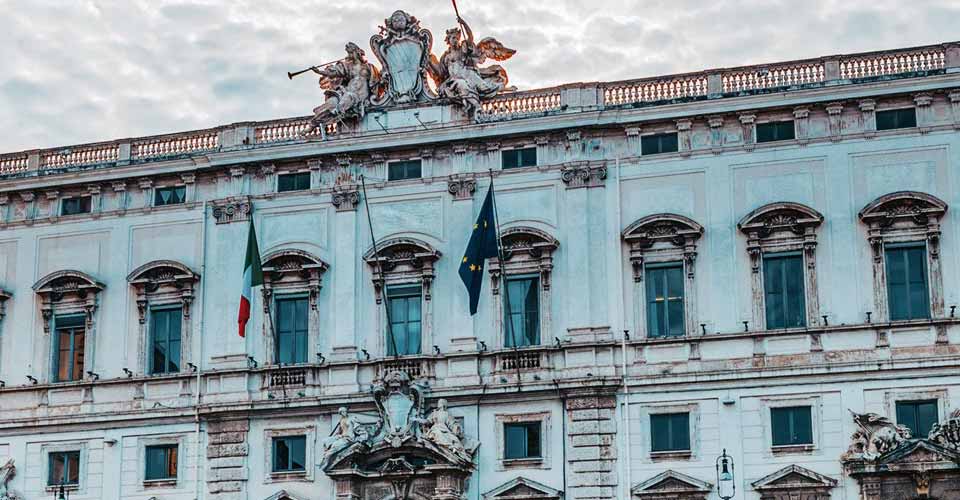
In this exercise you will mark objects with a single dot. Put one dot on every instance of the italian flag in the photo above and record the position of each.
(252, 276)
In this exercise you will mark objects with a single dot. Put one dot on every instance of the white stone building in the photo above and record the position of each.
(775, 239)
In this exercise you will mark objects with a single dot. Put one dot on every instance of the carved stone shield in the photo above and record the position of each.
(403, 63)
(402, 47)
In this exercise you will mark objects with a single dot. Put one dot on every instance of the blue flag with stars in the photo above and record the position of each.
(483, 245)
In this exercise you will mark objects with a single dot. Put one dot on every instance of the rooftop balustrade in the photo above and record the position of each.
(571, 98)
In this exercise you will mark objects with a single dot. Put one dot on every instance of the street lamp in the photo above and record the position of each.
(726, 486)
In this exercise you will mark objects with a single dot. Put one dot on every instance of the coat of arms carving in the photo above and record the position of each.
(403, 49)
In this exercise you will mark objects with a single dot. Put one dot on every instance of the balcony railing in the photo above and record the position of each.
(516, 105)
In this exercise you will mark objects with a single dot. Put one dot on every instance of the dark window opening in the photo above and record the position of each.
(299, 181)
(289, 454)
(791, 425)
(919, 416)
(658, 143)
(292, 317)
(173, 195)
(521, 440)
(670, 432)
(783, 291)
(522, 314)
(516, 158)
(75, 206)
(405, 319)
(775, 131)
(907, 294)
(165, 340)
(400, 170)
(161, 462)
(896, 118)
(69, 340)
(64, 468)
(665, 316)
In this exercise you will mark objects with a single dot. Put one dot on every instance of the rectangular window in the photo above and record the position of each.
(658, 143)
(400, 170)
(405, 318)
(171, 195)
(299, 181)
(783, 290)
(161, 462)
(907, 294)
(522, 314)
(670, 432)
(165, 340)
(896, 118)
(74, 206)
(665, 300)
(292, 333)
(775, 131)
(791, 425)
(63, 468)
(521, 440)
(289, 454)
(69, 333)
(516, 158)
(919, 416)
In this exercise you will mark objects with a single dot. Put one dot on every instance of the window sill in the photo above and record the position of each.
(532, 462)
(792, 448)
(300, 475)
(54, 488)
(160, 483)
(671, 455)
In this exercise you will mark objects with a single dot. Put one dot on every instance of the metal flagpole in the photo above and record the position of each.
(504, 284)
(383, 282)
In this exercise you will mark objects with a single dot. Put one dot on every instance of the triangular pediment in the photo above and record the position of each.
(917, 452)
(283, 495)
(521, 488)
(793, 477)
(671, 481)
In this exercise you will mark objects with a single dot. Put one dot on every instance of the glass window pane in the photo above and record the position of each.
(56, 471)
(515, 441)
(926, 417)
(281, 455)
(773, 292)
(680, 431)
(533, 439)
(528, 157)
(795, 306)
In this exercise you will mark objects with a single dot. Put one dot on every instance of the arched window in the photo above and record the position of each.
(903, 230)
(407, 267)
(782, 244)
(292, 280)
(663, 251)
(528, 262)
(165, 293)
(68, 301)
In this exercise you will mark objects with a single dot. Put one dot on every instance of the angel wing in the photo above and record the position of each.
(437, 71)
(490, 47)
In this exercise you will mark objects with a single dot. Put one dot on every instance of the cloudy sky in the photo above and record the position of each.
(74, 71)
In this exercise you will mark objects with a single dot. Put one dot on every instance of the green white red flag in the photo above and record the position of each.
(252, 276)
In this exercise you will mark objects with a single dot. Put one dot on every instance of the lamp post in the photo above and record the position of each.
(726, 486)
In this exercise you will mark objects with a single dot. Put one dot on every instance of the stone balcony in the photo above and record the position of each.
(561, 100)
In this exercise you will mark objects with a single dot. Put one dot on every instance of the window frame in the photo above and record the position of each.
(296, 179)
(659, 136)
(508, 339)
(777, 124)
(531, 252)
(665, 266)
(935, 401)
(406, 167)
(645, 429)
(898, 114)
(791, 413)
(815, 402)
(57, 348)
(166, 465)
(274, 453)
(904, 247)
(278, 333)
(544, 418)
(152, 340)
(308, 433)
(670, 417)
(781, 257)
(520, 163)
(390, 330)
(526, 426)
(157, 198)
(85, 205)
(67, 454)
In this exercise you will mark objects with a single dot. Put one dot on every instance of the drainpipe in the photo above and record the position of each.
(199, 359)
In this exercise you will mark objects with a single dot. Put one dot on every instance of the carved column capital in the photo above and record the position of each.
(346, 198)
(51, 194)
(583, 174)
(461, 187)
(145, 183)
(632, 131)
(923, 99)
(716, 133)
(232, 210)
(834, 114)
(237, 171)
(747, 121)
(188, 178)
(118, 186)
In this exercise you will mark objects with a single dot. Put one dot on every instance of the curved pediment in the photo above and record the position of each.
(526, 239)
(780, 216)
(162, 271)
(292, 260)
(402, 249)
(67, 281)
(911, 206)
(673, 228)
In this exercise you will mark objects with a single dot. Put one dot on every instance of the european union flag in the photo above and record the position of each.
(483, 245)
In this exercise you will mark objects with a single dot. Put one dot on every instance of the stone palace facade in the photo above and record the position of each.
(758, 260)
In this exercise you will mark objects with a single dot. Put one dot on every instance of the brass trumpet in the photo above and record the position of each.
(311, 68)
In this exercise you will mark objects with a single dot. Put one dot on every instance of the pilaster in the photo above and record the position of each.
(868, 117)
(925, 117)
(834, 115)
(227, 451)
(591, 445)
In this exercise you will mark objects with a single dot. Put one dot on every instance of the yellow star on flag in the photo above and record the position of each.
(473, 267)
(464, 260)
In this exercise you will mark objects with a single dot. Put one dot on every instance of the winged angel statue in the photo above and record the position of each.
(458, 75)
(352, 85)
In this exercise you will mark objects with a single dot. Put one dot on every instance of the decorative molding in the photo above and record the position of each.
(521, 488)
(461, 187)
(345, 198)
(655, 231)
(232, 210)
(672, 485)
(293, 270)
(748, 122)
(154, 278)
(402, 260)
(68, 289)
(583, 174)
(868, 117)
(793, 480)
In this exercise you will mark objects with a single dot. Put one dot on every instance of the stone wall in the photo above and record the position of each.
(227, 451)
(591, 446)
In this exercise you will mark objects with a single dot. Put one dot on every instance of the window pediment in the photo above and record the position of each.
(62, 282)
(674, 229)
(158, 273)
(795, 478)
(528, 241)
(402, 259)
(297, 263)
(671, 484)
(521, 488)
(903, 208)
(782, 219)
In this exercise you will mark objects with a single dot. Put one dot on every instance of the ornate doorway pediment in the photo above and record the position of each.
(406, 454)
(787, 482)
(672, 485)
(521, 488)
